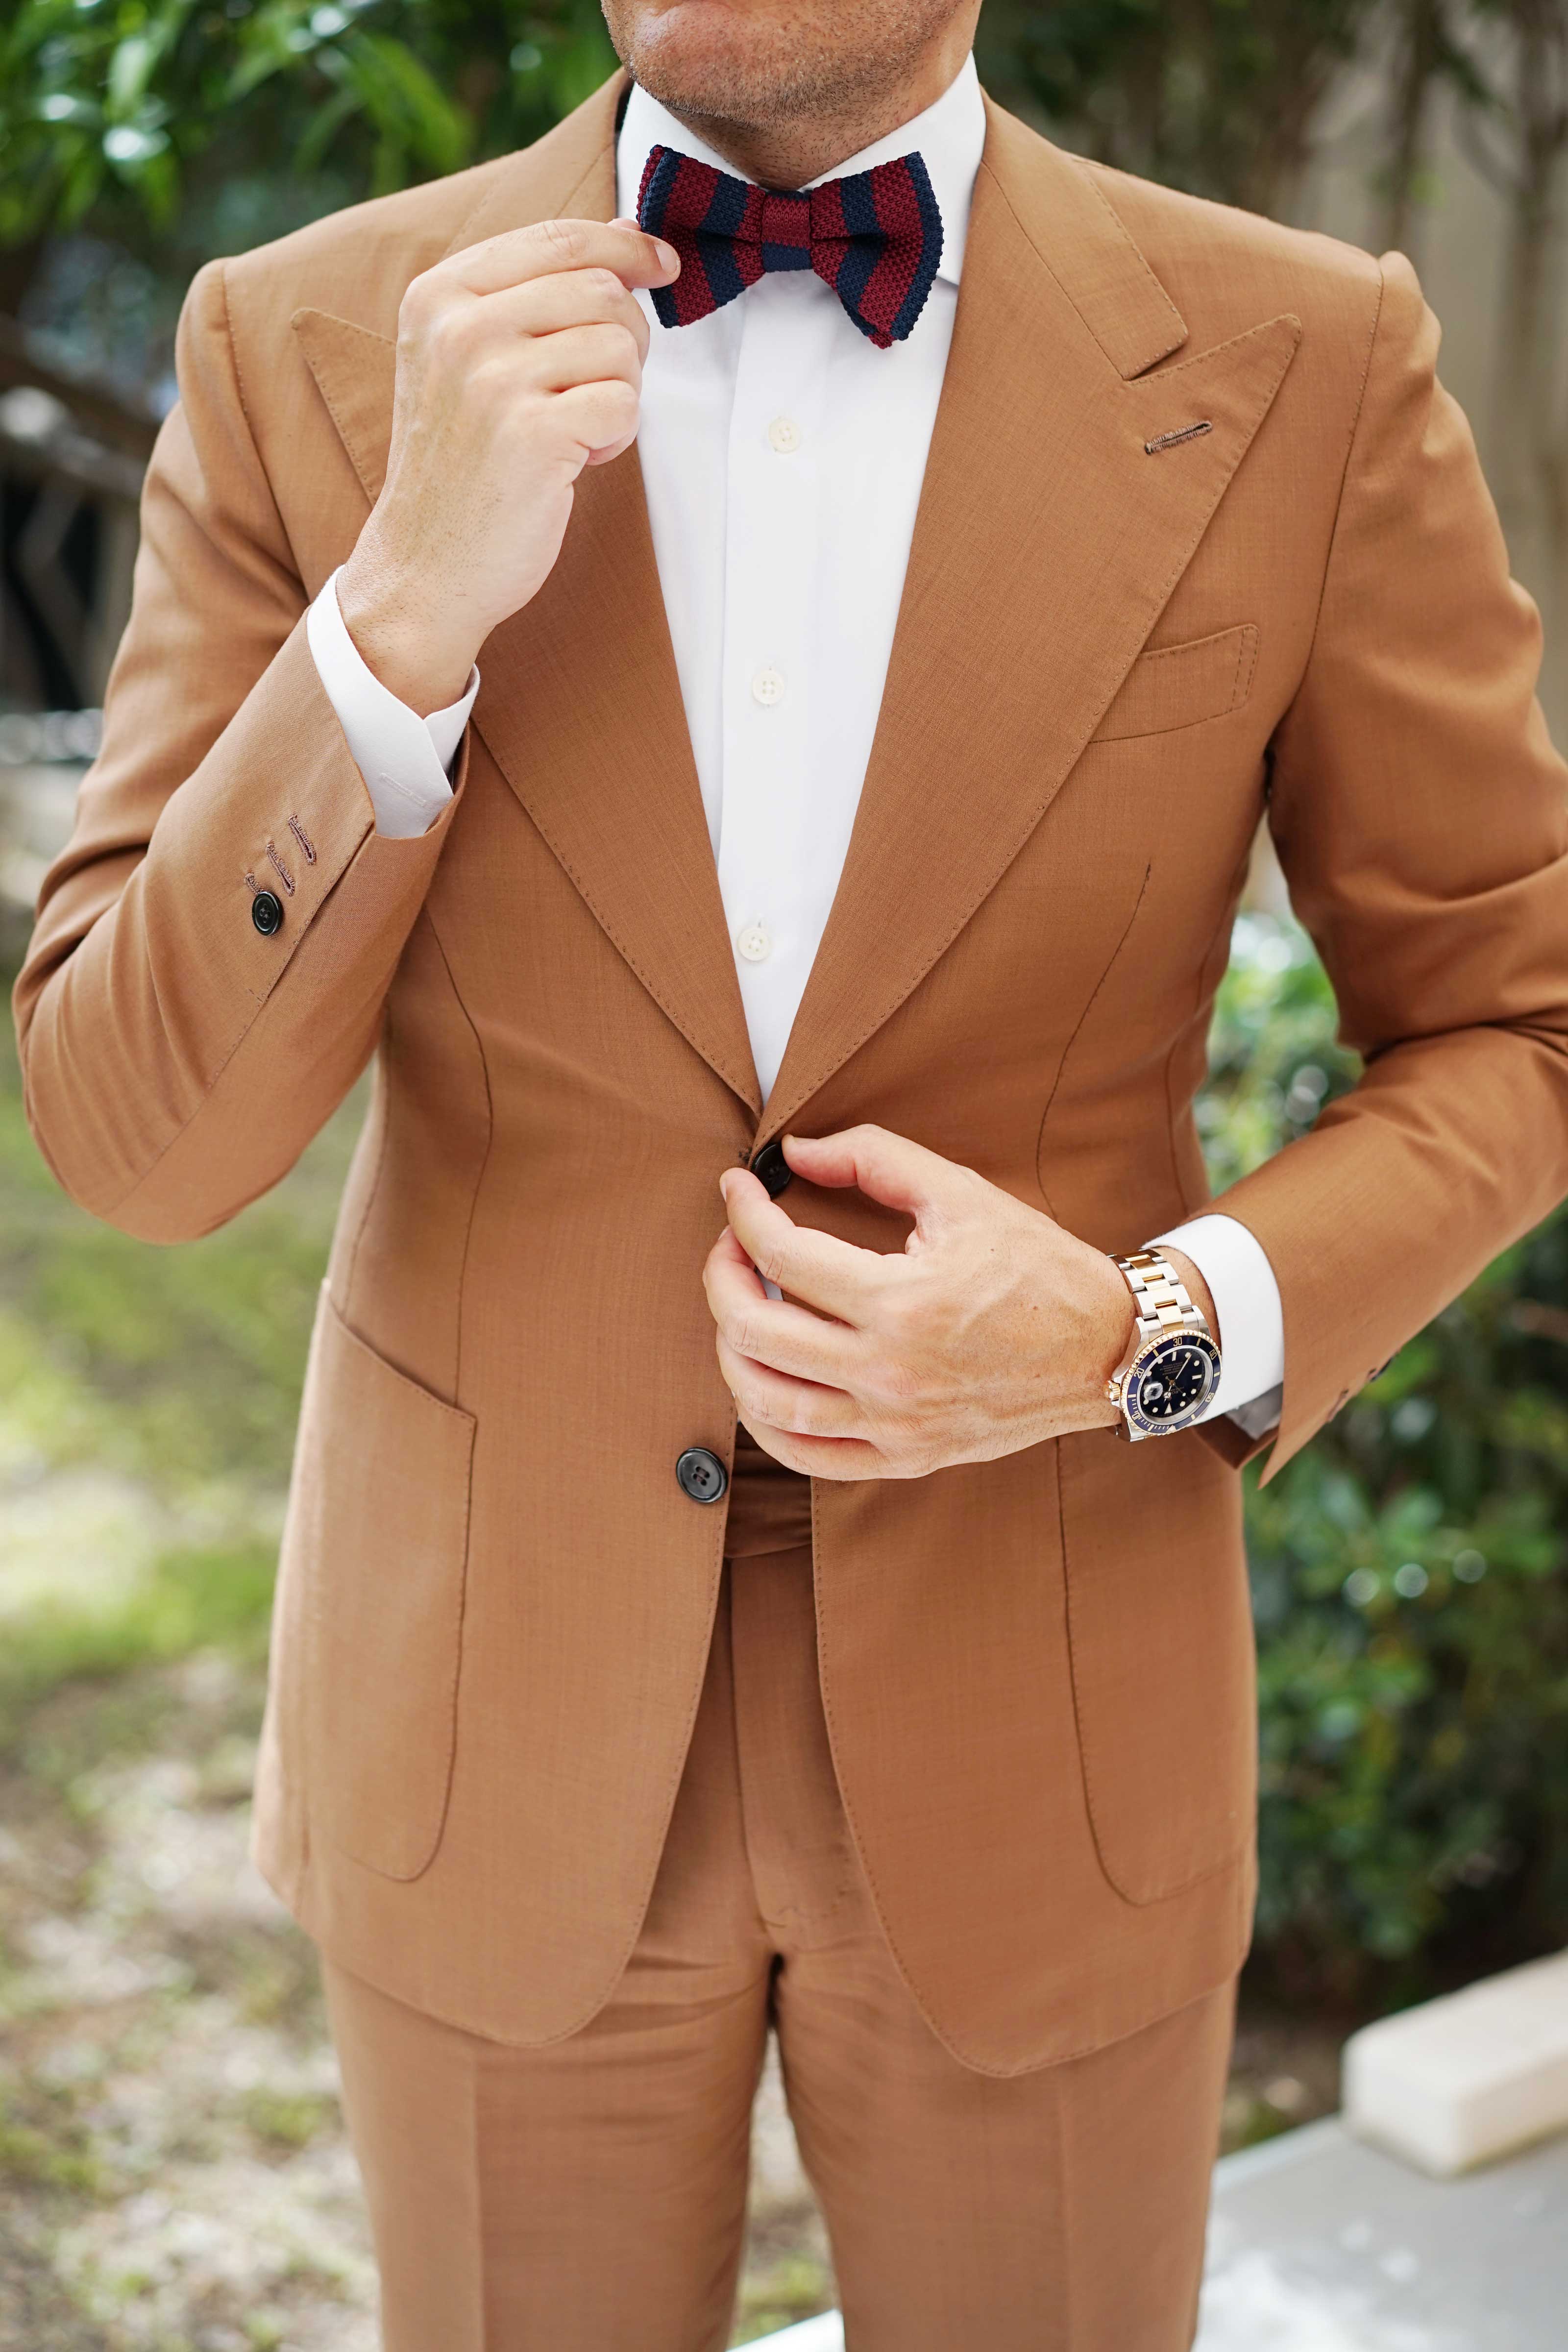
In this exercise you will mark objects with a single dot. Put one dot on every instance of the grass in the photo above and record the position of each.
(790, 2289)
(288, 2121)
(177, 1365)
(46, 2145)
(190, 1601)
(147, 1406)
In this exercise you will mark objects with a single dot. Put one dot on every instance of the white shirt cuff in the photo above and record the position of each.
(403, 758)
(1234, 1264)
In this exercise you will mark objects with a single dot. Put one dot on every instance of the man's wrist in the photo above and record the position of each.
(1114, 1328)
(1192, 1282)
(397, 642)
(1147, 1280)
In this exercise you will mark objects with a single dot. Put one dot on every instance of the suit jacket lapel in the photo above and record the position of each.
(580, 701)
(1048, 542)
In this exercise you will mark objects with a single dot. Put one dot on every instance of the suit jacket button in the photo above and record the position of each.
(769, 1166)
(702, 1475)
(267, 912)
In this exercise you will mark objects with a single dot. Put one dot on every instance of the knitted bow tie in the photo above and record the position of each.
(874, 238)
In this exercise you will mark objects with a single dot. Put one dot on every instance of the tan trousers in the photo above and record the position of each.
(590, 2196)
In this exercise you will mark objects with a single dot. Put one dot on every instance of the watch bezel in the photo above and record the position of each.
(1152, 1350)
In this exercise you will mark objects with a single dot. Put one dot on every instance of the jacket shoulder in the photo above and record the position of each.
(1225, 268)
(357, 263)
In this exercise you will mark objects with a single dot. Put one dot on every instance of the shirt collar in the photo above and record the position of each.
(950, 136)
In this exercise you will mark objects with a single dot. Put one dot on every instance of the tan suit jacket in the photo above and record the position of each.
(1114, 657)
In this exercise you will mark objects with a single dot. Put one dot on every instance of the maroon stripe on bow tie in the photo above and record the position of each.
(887, 289)
(874, 238)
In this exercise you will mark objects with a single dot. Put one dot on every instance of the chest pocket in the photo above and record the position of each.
(1178, 685)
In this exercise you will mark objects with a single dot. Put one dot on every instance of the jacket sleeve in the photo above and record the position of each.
(177, 1059)
(1421, 817)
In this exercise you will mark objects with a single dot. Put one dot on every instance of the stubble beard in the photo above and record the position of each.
(756, 72)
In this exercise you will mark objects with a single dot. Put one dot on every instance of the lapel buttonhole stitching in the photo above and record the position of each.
(1183, 432)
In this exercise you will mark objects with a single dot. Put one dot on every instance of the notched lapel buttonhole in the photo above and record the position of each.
(1185, 433)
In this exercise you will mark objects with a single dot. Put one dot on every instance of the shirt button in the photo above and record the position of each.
(755, 943)
(767, 687)
(783, 434)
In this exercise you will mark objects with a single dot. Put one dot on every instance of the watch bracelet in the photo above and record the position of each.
(1163, 1304)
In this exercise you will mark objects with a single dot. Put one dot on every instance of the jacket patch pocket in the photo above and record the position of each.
(1178, 685)
(378, 1522)
(1160, 1638)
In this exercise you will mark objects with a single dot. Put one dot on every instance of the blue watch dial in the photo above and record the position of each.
(1171, 1382)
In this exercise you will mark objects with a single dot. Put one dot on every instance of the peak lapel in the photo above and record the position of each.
(580, 702)
(1047, 542)
(570, 170)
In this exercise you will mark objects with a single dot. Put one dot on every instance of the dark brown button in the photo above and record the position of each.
(701, 1474)
(771, 1169)
(267, 912)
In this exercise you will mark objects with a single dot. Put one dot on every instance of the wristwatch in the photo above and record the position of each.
(1171, 1371)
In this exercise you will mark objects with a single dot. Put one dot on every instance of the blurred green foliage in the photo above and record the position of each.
(180, 1368)
(193, 1597)
(147, 1406)
(154, 120)
(1410, 1585)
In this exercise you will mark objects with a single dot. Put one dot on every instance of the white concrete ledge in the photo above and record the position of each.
(1462, 2081)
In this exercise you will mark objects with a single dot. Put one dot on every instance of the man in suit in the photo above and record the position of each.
(848, 792)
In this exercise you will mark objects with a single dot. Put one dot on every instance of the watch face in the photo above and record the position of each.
(1171, 1382)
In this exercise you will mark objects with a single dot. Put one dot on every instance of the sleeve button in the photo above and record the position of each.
(267, 912)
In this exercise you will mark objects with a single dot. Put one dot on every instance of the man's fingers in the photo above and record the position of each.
(804, 1408)
(602, 418)
(822, 1457)
(818, 1267)
(595, 354)
(547, 246)
(572, 298)
(770, 1330)
(885, 1167)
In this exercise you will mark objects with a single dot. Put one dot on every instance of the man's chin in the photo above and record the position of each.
(711, 59)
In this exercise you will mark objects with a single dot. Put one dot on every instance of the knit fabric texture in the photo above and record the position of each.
(874, 238)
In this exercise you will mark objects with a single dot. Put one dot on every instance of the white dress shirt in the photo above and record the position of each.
(781, 457)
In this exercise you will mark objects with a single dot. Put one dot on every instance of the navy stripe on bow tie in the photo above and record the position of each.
(874, 238)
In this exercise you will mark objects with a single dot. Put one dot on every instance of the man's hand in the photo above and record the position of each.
(519, 363)
(992, 1331)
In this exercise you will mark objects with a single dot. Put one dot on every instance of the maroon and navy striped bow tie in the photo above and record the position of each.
(876, 237)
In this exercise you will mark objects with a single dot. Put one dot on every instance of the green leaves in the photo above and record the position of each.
(139, 118)
(1410, 1585)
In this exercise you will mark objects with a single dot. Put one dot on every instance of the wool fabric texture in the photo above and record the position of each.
(874, 238)
(496, 1604)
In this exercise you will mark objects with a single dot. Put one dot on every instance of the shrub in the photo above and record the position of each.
(1409, 1586)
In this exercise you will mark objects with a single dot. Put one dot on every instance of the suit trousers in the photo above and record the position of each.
(590, 2196)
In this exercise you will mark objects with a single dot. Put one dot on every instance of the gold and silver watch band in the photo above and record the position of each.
(1162, 1298)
